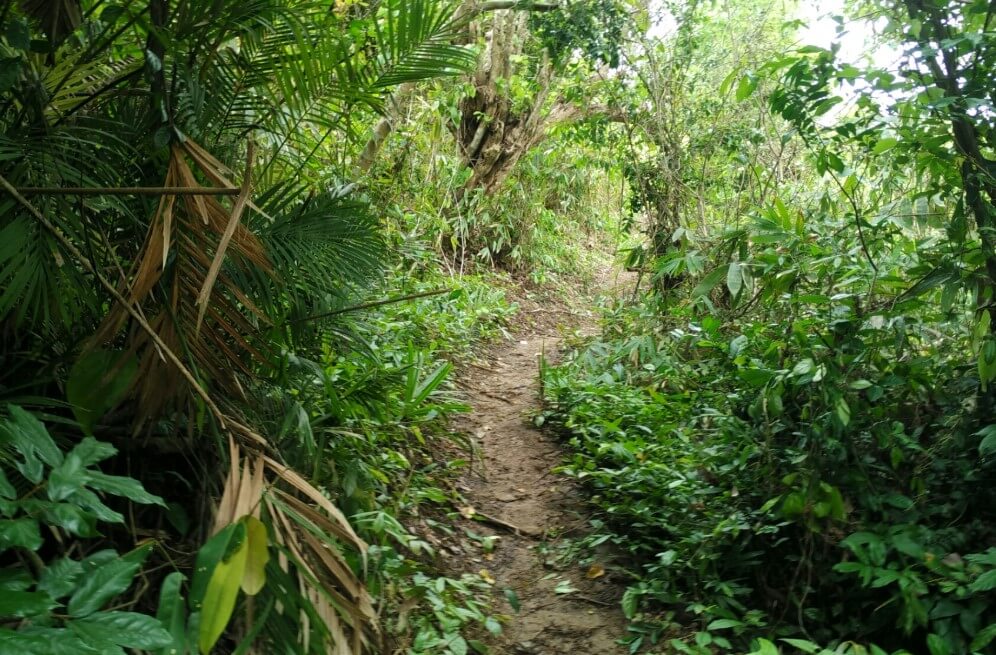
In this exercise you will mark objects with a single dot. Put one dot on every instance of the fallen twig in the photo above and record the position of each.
(486, 518)
(587, 599)
(496, 397)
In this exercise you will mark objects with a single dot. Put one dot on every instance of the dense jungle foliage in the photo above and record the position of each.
(245, 243)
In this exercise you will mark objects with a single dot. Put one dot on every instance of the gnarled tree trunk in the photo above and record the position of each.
(493, 134)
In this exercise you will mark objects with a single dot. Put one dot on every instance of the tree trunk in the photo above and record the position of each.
(977, 172)
(493, 134)
(383, 128)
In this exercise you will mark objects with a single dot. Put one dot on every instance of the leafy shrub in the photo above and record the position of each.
(60, 604)
(809, 469)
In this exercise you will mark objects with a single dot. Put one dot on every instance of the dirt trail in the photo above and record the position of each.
(518, 487)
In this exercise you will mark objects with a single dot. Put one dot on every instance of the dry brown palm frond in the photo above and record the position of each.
(204, 296)
(178, 278)
(242, 494)
(313, 531)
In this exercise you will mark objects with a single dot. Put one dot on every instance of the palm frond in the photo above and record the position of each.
(168, 277)
(27, 266)
(325, 245)
(415, 42)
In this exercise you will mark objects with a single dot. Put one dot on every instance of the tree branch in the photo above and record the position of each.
(497, 5)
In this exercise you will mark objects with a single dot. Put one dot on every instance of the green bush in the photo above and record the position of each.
(805, 470)
(50, 601)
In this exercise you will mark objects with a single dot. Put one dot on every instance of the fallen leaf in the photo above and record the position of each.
(513, 600)
(595, 571)
(486, 576)
(468, 512)
(564, 587)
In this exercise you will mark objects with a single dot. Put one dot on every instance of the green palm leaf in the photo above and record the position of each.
(415, 42)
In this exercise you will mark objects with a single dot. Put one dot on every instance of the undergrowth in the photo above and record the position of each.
(808, 471)
(367, 417)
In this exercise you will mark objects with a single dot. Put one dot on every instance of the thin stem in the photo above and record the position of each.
(376, 303)
(128, 191)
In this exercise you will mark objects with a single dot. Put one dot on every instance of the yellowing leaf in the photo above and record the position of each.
(595, 571)
(257, 557)
(220, 595)
(467, 512)
(486, 576)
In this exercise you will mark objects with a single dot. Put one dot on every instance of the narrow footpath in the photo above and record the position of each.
(563, 609)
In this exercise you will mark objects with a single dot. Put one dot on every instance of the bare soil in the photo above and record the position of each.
(533, 510)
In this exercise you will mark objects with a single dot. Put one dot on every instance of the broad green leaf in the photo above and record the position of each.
(6, 488)
(723, 624)
(737, 345)
(803, 645)
(764, 647)
(458, 645)
(217, 548)
(938, 645)
(60, 577)
(125, 629)
(746, 87)
(983, 324)
(220, 596)
(18, 34)
(492, 625)
(17, 578)
(95, 506)
(257, 557)
(66, 478)
(803, 367)
(842, 411)
(630, 601)
(735, 278)
(45, 641)
(884, 144)
(983, 637)
(105, 582)
(21, 604)
(20, 533)
(904, 544)
(727, 82)
(985, 582)
(172, 612)
(97, 382)
(29, 436)
(90, 451)
(71, 517)
(794, 504)
(834, 162)
(513, 599)
(10, 70)
(988, 444)
(129, 488)
(709, 281)
(773, 403)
